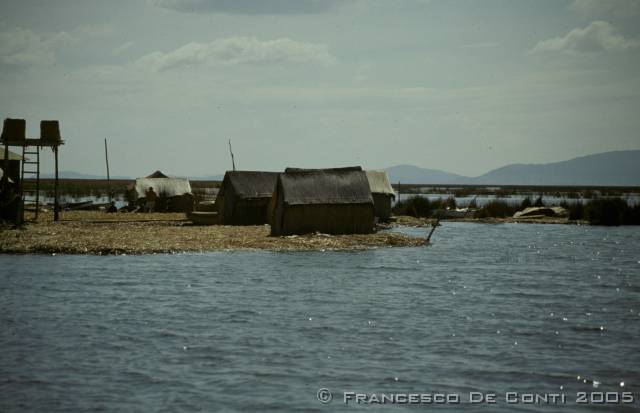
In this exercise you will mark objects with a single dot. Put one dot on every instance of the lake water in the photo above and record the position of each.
(486, 308)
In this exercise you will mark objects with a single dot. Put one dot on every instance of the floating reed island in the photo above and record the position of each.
(99, 233)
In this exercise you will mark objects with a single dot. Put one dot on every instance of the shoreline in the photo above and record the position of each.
(409, 221)
(98, 233)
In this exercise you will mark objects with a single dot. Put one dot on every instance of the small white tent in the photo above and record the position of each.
(382, 193)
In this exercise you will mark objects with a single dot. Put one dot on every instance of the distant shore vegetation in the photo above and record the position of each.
(601, 211)
(596, 205)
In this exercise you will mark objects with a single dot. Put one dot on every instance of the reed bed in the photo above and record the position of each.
(100, 233)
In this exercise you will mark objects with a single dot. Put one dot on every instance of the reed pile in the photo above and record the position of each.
(88, 232)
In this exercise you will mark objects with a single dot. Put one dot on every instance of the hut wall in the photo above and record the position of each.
(250, 212)
(330, 219)
(235, 211)
(382, 206)
(182, 203)
(276, 209)
(225, 206)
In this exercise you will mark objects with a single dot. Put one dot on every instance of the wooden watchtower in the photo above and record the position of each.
(14, 134)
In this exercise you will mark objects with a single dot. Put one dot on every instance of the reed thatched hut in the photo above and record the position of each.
(13, 168)
(244, 197)
(174, 194)
(332, 201)
(157, 174)
(382, 193)
(14, 130)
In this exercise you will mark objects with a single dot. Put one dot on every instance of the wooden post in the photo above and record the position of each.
(433, 228)
(37, 181)
(106, 156)
(56, 215)
(233, 161)
(5, 177)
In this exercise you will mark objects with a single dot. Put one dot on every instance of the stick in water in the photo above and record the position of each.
(433, 228)
(106, 157)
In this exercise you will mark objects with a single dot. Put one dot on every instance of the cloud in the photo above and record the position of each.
(238, 50)
(605, 8)
(95, 30)
(248, 6)
(22, 47)
(123, 48)
(596, 37)
(482, 45)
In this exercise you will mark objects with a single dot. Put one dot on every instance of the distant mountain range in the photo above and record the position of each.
(619, 168)
(409, 174)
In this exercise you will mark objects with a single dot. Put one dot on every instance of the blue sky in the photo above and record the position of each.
(463, 86)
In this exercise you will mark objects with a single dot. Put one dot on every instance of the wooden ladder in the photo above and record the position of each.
(32, 186)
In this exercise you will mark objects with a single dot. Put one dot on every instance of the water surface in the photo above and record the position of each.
(486, 308)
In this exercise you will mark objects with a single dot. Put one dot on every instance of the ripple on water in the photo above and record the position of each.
(229, 331)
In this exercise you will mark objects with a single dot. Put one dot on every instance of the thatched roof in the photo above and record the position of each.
(50, 130)
(167, 187)
(12, 155)
(343, 169)
(379, 183)
(250, 184)
(325, 186)
(157, 174)
(13, 130)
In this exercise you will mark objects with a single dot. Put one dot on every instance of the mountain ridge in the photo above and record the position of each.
(614, 168)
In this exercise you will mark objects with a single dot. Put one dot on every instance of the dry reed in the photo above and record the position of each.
(88, 232)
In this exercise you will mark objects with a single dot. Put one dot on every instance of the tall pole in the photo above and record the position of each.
(56, 207)
(233, 162)
(106, 157)
(5, 176)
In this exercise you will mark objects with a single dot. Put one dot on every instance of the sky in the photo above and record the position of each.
(461, 86)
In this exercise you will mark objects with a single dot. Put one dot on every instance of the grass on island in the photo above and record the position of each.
(599, 211)
(88, 232)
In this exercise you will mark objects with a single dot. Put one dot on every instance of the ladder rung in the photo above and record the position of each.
(30, 162)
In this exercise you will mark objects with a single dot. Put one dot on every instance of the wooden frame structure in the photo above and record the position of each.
(13, 134)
